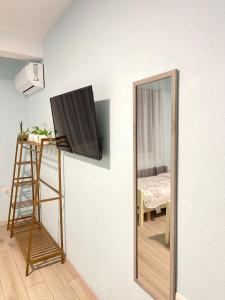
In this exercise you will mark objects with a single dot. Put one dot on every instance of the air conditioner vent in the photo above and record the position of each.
(30, 79)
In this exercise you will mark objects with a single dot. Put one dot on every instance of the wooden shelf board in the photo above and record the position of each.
(27, 162)
(22, 178)
(23, 225)
(22, 204)
(25, 182)
(43, 246)
(46, 143)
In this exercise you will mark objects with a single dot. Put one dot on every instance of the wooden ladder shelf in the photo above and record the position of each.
(36, 244)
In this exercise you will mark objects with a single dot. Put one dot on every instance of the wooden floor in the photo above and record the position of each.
(154, 257)
(55, 281)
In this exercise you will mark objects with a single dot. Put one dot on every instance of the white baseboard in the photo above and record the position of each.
(180, 297)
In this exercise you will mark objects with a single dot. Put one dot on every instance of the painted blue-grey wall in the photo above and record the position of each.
(13, 108)
(10, 67)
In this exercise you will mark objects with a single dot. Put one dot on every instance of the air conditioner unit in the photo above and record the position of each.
(30, 79)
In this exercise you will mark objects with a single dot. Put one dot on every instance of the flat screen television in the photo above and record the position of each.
(75, 123)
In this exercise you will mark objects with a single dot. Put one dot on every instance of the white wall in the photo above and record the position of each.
(13, 108)
(110, 44)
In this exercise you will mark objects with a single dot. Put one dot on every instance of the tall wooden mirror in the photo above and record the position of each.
(155, 183)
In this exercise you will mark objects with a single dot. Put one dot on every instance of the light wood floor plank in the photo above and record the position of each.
(57, 284)
(1, 292)
(3, 243)
(11, 281)
(67, 270)
(80, 289)
(39, 292)
(34, 278)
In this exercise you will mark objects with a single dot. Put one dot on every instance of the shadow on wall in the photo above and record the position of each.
(102, 109)
(9, 67)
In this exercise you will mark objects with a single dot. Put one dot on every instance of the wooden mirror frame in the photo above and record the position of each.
(174, 153)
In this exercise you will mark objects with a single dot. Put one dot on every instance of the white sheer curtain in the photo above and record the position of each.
(150, 128)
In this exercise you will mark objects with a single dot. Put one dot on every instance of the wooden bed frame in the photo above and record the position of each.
(142, 209)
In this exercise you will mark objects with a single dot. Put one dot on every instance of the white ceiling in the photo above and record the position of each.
(30, 17)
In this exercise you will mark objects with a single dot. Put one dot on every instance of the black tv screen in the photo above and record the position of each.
(75, 123)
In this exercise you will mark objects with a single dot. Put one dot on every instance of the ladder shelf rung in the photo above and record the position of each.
(27, 162)
(24, 225)
(25, 177)
(25, 182)
(49, 199)
(22, 204)
(27, 203)
(20, 219)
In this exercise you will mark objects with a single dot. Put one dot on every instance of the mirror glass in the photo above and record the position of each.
(154, 183)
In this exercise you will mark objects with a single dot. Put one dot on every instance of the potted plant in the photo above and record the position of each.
(23, 135)
(37, 133)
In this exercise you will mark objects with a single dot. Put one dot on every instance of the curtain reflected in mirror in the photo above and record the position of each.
(155, 184)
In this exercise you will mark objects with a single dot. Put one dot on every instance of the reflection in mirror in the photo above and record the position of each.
(155, 160)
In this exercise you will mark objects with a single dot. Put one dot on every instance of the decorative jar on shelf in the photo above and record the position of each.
(36, 137)
(22, 137)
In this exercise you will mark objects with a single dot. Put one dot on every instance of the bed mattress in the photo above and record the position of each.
(156, 190)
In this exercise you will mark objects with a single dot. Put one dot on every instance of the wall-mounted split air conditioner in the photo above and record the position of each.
(30, 79)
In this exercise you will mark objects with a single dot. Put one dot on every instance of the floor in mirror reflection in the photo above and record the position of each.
(154, 256)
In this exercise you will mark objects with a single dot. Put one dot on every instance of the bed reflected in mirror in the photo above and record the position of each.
(155, 101)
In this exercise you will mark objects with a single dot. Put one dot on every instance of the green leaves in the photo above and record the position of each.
(41, 131)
